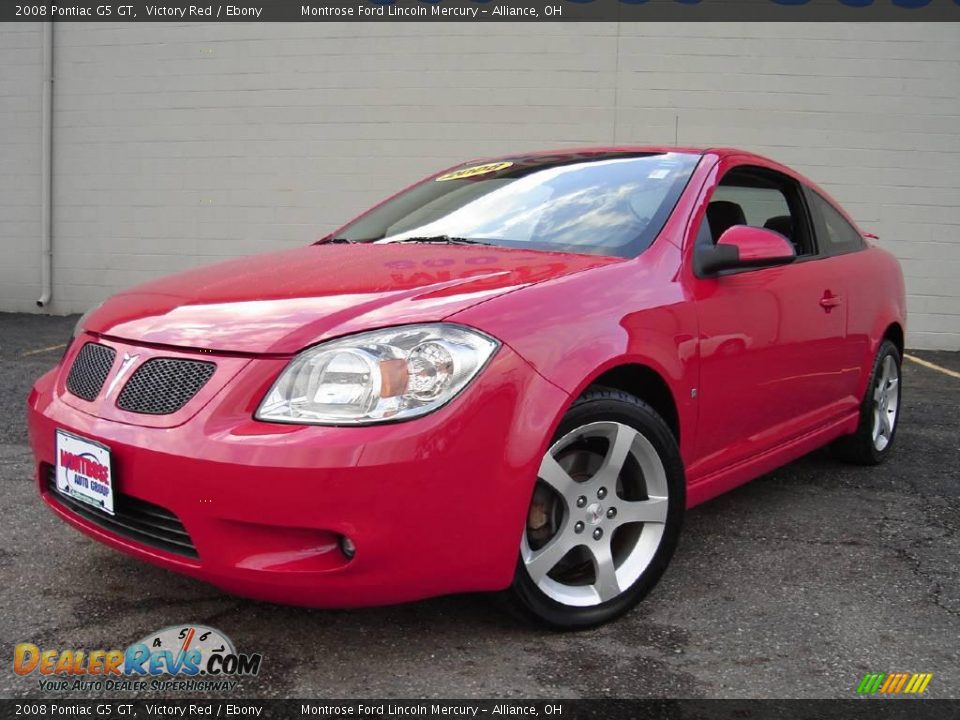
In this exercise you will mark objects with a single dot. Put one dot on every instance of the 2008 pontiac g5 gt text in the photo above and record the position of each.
(513, 376)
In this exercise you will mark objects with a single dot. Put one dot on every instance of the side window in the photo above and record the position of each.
(760, 198)
(758, 204)
(835, 235)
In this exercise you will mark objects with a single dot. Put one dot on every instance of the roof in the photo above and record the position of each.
(622, 149)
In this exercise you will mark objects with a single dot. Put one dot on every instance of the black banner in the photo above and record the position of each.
(865, 709)
(480, 10)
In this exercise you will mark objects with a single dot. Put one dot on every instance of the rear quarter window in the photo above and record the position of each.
(835, 235)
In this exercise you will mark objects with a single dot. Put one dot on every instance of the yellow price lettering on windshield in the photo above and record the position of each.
(474, 171)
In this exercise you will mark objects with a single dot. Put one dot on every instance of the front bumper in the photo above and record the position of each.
(435, 505)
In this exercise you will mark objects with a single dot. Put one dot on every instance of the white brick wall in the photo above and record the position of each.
(180, 144)
(20, 94)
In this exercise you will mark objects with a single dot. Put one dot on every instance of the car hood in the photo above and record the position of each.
(281, 302)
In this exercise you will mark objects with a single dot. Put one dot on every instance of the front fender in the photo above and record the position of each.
(571, 331)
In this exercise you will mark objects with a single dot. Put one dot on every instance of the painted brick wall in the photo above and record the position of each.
(182, 144)
(21, 85)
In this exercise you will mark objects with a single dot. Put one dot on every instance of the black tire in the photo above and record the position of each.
(860, 448)
(603, 405)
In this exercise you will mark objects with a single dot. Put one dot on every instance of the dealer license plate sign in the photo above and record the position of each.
(83, 471)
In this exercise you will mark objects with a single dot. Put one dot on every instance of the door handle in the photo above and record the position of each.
(829, 301)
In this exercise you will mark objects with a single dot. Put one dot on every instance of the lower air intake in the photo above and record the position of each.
(134, 519)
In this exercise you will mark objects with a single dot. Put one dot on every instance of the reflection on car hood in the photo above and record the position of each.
(284, 301)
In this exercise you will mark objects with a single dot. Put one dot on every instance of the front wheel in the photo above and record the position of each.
(605, 515)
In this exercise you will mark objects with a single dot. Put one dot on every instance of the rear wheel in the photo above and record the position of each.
(873, 440)
(605, 514)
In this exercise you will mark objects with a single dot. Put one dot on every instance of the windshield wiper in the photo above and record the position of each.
(442, 239)
(338, 241)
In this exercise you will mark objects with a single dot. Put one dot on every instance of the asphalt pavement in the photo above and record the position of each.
(793, 586)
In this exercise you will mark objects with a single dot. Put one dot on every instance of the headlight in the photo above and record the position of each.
(393, 374)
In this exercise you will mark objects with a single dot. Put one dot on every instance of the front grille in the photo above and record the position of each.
(135, 519)
(162, 386)
(90, 370)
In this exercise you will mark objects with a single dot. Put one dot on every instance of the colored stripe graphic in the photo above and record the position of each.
(889, 683)
(901, 681)
(894, 683)
(870, 683)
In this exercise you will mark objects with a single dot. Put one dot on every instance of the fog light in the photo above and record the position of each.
(347, 547)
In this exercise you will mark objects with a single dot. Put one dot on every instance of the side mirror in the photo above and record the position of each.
(742, 246)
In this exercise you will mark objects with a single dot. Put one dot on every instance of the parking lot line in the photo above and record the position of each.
(932, 366)
(43, 350)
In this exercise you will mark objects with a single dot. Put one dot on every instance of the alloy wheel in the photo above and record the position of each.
(598, 514)
(886, 403)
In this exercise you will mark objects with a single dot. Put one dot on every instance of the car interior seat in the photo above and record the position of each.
(723, 215)
(783, 224)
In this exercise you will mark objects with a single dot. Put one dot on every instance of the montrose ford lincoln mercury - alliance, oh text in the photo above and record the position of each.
(512, 376)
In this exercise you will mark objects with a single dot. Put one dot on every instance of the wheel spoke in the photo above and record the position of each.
(555, 476)
(889, 370)
(605, 583)
(885, 428)
(540, 562)
(616, 456)
(652, 510)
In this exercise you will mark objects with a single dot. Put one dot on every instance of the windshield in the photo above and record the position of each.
(597, 203)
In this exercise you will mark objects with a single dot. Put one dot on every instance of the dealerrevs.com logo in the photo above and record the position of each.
(193, 658)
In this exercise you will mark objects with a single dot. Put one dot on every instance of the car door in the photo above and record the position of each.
(770, 339)
(839, 244)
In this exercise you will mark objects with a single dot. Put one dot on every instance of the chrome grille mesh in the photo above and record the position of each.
(90, 370)
(162, 386)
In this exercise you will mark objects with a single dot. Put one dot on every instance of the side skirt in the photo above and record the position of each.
(707, 487)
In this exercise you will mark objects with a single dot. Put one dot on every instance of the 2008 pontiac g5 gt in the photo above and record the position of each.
(513, 376)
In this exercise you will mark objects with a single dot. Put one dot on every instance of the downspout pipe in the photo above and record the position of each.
(46, 169)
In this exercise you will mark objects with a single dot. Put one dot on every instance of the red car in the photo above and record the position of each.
(514, 375)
